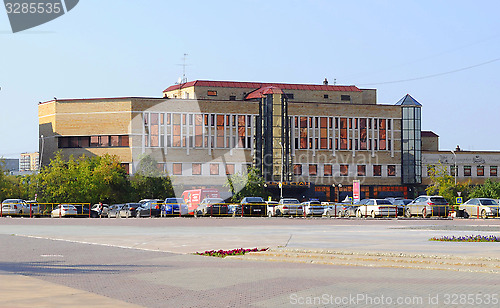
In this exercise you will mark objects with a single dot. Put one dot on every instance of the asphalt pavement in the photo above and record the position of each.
(150, 263)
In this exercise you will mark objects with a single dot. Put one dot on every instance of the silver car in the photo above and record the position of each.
(428, 206)
(480, 207)
(14, 207)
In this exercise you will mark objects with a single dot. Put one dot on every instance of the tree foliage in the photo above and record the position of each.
(149, 182)
(246, 184)
(443, 184)
(85, 179)
(489, 189)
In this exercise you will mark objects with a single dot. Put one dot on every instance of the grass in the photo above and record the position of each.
(224, 253)
(467, 238)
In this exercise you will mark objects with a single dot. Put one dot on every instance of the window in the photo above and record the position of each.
(214, 169)
(325, 96)
(391, 170)
(229, 169)
(297, 169)
(211, 93)
(93, 141)
(453, 170)
(343, 134)
(313, 170)
(232, 97)
(196, 169)
(480, 170)
(361, 170)
(493, 170)
(344, 170)
(345, 98)
(377, 170)
(177, 169)
(467, 171)
(327, 170)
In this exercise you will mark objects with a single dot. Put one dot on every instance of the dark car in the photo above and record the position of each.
(400, 203)
(129, 210)
(253, 206)
(212, 207)
(149, 208)
(82, 210)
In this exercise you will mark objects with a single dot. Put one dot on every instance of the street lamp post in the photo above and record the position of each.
(282, 162)
(338, 192)
(455, 168)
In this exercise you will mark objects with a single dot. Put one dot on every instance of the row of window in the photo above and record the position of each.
(197, 169)
(93, 141)
(344, 170)
(467, 170)
(184, 130)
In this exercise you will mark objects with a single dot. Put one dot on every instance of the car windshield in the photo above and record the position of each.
(290, 201)
(439, 200)
(12, 201)
(315, 203)
(384, 202)
(174, 200)
(254, 199)
(214, 200)
(488, 202)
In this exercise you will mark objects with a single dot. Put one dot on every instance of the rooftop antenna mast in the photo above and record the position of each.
(184, 79)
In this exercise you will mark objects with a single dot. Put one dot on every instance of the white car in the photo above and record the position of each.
(64, 210)
(313, 208)
(376, 208)
(289, 206)
(480, 207)
(271, 208)
(14, 207)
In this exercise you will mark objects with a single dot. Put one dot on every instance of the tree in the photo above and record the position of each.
(85, 179)
(149, 182)
(489, 189)
(443, 184)
(243, 185)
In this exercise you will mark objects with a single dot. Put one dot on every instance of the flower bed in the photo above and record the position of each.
(467, 238)
(224, 253)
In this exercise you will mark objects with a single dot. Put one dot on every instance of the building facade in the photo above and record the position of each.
(316, 139)
(29, 162)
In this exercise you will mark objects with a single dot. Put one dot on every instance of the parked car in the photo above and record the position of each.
(94, 212)
(149, 208)
(376, 208)
(212, 207)
(401, 204)
(128, 210)
(480, 207)
(271, 208)
(289, 206)
(174, 206)
(252, 206)
(427, 206)
(82, 210)
(33, 208)
(313, 208)
(63, 210)
(14, 207)
(114, 210)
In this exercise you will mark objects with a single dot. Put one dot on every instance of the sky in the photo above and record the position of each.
(445, 54)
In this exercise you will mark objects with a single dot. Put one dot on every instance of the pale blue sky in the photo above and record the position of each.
(134, 48)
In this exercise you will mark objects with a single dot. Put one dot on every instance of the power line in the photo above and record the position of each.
(431, 76)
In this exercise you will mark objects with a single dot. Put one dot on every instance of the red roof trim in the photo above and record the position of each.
(256, 85)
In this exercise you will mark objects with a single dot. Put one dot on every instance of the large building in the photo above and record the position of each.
(28, 162)
(316, 139)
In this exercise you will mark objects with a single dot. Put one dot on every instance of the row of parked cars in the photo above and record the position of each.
(424, 206)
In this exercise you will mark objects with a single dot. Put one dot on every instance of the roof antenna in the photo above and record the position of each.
(184, 79)
(334, 81)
